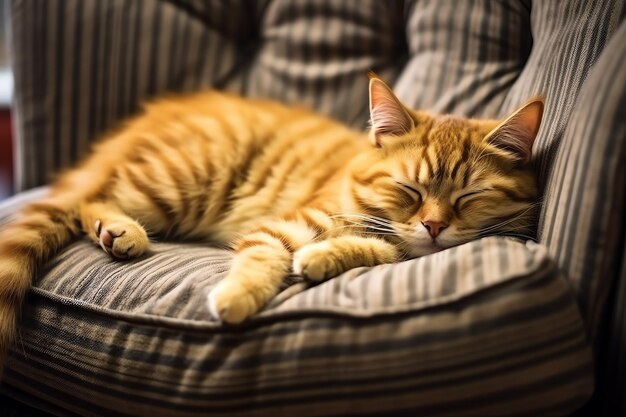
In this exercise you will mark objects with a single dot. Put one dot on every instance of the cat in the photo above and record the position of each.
(287, 189)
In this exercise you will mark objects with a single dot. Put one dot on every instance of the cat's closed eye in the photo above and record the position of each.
(466, 197)
(415, 194)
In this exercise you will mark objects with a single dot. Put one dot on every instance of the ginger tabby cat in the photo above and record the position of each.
(286, 189)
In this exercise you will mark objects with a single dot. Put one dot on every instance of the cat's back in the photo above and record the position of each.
(223, 119)
(215, 161)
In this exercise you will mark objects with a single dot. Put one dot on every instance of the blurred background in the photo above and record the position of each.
(6, 92)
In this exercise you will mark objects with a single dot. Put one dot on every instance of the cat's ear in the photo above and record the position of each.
(387, 115)
(517, 133)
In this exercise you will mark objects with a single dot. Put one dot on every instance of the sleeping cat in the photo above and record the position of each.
(288, 190)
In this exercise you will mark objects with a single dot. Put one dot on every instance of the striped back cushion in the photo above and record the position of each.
(82, 65)
(583, 217)
(568, 37)
(464, 56)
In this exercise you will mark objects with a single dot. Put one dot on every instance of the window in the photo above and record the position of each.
(6, 79)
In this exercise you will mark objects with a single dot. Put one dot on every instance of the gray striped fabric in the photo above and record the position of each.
(568, 37)
(583, 223)
(484, 329)
(464, 56)
(81, 65)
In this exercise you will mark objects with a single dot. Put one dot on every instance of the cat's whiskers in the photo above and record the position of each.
(359, 228)
(371, 219)
(372, 225)
(507, 221)
(519, 235)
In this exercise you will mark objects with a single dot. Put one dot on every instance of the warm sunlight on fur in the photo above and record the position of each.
(287, 189)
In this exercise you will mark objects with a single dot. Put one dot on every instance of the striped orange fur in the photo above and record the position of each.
(287, 189)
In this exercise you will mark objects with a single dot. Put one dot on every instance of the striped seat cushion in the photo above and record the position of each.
(488, 328)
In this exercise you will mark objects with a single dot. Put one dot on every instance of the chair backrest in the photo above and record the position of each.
(81, 66)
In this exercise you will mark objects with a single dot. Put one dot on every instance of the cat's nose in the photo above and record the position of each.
(434, 228)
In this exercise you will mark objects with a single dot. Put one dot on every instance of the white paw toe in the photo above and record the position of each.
(231, 303)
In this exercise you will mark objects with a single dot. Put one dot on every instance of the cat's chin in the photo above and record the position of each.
(417, 250)
(422, 247)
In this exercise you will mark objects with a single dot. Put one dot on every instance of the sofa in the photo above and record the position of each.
(502, 326)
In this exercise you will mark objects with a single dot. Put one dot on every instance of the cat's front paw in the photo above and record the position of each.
(122, 240)
(230, 302)
(316, 262)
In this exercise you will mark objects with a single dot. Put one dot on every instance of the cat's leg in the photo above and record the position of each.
(326, 259)
(261, 263)
(116, 233)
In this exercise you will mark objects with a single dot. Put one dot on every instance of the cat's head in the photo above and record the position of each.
(439, 181)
